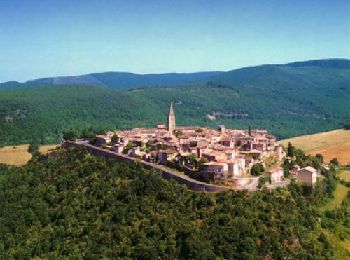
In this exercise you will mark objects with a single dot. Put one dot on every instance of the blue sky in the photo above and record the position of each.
(41, 38)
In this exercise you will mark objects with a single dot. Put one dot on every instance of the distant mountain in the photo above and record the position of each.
(326, 63)
(318, 73)
(131, 80)
(287, 99)
(69, 80)
(121, 80)
(262, 75)
(10, 84)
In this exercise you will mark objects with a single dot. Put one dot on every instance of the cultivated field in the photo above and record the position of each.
(345, 175)
(18, 155)
(15, 155)
(44, 149)
(330, 144)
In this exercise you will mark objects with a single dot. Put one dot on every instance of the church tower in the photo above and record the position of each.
(171, 119)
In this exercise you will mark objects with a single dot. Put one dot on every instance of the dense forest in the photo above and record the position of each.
(288, 100)
(74, 205)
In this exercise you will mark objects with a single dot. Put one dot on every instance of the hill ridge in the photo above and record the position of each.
(285, 100)
(125, 80)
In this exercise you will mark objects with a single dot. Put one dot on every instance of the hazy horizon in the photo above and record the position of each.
(64, 38)
(170, 72)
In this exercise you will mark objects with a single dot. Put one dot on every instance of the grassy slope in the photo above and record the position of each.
(339, 196)
(330, 144)
(343, 244)
(332, 235)
(341, 247)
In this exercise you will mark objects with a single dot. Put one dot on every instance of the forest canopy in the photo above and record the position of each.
(71, 204)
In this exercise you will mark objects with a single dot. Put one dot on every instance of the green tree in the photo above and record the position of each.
(93, 140)
(33, 149)
(178, 133)
(290, 150)
(114, 139)
(201, 162)
(69, 135)
(257, 169)
(334, 161)
(319, 157)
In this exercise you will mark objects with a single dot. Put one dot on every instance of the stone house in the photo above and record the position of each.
(166, 155)
(118, 148)
(307, 175)
(276, 175)
(214, 170)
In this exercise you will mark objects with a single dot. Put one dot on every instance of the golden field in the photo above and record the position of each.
(19, 155)
(345, 175)
(330, 144)
(44, 149)
(15, 155)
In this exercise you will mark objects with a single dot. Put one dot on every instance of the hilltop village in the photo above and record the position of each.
(230, 157)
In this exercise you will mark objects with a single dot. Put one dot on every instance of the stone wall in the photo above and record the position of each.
(165, 172)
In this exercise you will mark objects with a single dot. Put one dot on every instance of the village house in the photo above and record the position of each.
(214, 170)
(118, 148)
(236, 167)
(276, 175)
(307, 175)
(164, 156)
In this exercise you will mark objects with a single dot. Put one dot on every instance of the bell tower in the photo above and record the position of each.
(171, 119)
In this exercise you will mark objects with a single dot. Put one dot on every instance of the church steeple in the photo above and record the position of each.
(171, 119)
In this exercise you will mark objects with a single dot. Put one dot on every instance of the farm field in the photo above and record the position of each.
(330, 144)
(19, 155)
(15, 155)
(344, 174)
(44, 149)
